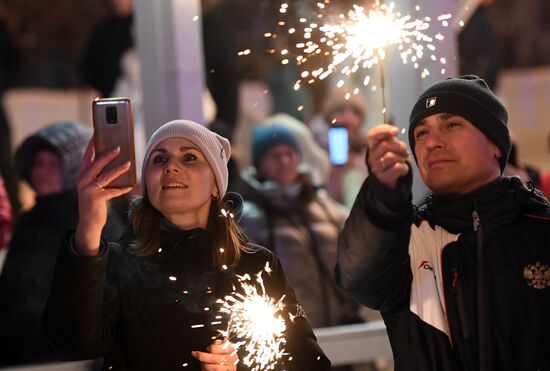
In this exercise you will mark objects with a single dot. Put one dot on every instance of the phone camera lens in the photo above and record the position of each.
(111, 115)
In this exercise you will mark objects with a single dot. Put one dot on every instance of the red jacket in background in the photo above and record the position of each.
(6, 219)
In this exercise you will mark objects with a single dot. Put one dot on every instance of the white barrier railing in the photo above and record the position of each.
(353, 344)
(343, 345)
(56, 366)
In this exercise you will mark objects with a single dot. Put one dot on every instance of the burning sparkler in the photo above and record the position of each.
(255, 324)
(358, 41)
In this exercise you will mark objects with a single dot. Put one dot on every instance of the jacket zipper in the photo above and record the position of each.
(482, 332)
(458, 292)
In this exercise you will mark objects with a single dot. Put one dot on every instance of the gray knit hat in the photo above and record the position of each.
(214, 147)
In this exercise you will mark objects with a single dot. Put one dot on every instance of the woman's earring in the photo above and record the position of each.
(215, 198)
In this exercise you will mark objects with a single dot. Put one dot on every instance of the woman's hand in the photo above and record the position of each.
(388, 157)
(221, 356)
(93, 193)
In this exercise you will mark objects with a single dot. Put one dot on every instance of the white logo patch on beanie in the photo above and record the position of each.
(430, 102)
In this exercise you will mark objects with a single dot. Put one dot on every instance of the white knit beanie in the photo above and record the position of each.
(214, 147)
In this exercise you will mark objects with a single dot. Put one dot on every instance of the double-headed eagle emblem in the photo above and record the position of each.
(537, 275)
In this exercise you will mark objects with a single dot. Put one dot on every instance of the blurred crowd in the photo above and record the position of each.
(296, 200)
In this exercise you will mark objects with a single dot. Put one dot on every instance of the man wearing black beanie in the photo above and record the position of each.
(463, 282)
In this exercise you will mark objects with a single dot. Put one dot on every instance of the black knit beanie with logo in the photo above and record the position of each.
(470, 97)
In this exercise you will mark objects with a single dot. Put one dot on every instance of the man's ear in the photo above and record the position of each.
(498, 152)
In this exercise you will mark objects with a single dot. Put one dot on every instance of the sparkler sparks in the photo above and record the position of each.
(255, 324)
(362, 36)
(346, 43)
(358, 40)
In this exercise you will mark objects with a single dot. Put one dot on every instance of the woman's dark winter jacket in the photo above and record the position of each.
(150, 312)
(465, 276)
(27, 275)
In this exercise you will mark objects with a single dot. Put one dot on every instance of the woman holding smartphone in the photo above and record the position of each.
(149, 302)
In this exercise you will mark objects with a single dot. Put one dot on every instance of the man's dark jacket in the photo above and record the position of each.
(424, 271)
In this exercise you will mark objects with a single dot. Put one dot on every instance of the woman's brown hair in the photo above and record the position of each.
(228, 240)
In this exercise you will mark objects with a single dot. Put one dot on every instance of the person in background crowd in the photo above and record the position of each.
(48, 160)
(479, 46)
(110, 40)
(151, 302)
(314, 157)
(8, 68)
(6, 219)
(345, 180)
(299, 222)
(464, 282)
(223, 74)
(526, 173)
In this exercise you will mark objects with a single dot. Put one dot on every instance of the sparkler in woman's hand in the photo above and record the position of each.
(256, 324)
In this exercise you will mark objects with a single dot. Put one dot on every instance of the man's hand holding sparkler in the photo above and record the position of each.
(220, 356)
(388, 158)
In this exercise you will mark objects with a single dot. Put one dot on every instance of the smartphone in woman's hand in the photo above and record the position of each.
(114, 126)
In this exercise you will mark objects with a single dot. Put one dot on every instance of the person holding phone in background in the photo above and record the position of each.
(149, 302)
(297, 220)
(342, 133)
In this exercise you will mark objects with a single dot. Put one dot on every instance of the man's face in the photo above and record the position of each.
(454, 157)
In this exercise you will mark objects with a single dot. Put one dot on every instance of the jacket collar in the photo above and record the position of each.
(172, 233)
(499, 202)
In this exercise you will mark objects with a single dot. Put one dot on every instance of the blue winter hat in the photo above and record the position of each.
(266, 137)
